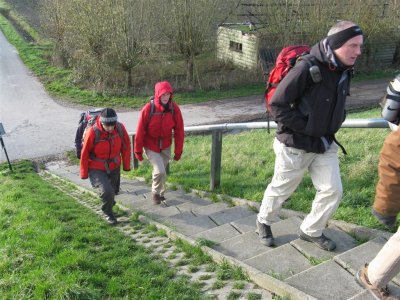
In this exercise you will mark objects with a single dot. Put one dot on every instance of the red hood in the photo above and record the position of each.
(160, 89)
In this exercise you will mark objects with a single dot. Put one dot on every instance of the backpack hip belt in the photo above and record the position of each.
(106, 162)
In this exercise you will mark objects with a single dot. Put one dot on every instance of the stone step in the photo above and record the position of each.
(343, 242)
(326, 281)
(355, 258)
(247, 245)
(296, 264)
(280, 263)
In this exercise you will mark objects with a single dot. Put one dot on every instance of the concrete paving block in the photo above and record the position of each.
(218, 234)
(286, 230)
(355, 258)
(326, 281)
(281, 262)
(192, 204)
(74, 178)
(192, 197)
(173, 201)
(174, 194)
(189, 224)
(245, 224)
(230, 214)
(58, 171)
(343, 242)
(140, 190)
(74, 169)
(132, 186)
(210, 209)
(364, 295)
(161, 212)
(137, 203)
(242, 247)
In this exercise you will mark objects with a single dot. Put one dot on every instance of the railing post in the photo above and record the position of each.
(216, 151)
(135, 162)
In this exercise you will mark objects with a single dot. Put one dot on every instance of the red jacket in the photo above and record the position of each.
(155, 132)
(109, 147)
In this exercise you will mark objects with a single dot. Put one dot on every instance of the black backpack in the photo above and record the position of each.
(87, 119)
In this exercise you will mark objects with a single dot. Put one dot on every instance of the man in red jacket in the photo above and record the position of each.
(157, 121)
(105, 146)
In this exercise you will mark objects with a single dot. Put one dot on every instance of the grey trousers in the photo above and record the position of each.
(106, 185)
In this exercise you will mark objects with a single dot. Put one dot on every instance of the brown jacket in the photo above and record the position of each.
(387, 198)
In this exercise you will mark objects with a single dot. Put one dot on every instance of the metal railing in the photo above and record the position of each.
(217, 130)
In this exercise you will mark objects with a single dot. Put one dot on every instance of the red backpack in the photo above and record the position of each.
(284, 63)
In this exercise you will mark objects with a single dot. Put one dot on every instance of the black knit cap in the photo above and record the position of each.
(338, 39)
(108, 117)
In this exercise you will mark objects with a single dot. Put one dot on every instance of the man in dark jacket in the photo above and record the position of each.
(308, 115)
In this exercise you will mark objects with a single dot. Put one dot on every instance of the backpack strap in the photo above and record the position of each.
(313, 68)
(153, 110)
(121, 134)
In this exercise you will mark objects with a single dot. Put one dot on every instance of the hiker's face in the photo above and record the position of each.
(350, 50)
(108, 128)
(165, 98)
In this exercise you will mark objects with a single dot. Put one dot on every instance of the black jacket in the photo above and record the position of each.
(308, 113)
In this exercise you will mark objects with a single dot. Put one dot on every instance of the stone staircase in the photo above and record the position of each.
(293, 268)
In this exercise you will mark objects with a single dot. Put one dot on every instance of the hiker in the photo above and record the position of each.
(380, 271)
(308, 115)
(159, 121)
(105, 147)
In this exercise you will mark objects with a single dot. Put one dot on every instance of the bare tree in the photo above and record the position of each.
(129, 37)
(189, 25)
(54, 20)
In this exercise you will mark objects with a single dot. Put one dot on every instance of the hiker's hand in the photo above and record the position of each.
(139, 156)
(177, 156)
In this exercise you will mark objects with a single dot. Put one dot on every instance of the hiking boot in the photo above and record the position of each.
(265, 234)
(388, 221)
(111, 220)
(162, 198)
(322, 241)
(156, 199)
(377, 292)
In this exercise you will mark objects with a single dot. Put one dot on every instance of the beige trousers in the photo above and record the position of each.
(290, 166)
(386, 263)
(159, 161)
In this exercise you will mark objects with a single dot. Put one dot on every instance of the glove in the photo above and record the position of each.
(177, 156)
(139, 156)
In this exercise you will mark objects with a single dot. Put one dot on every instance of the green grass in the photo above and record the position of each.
(53, 248)
(248, 164)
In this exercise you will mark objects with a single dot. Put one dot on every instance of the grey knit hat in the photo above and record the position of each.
(108, 117)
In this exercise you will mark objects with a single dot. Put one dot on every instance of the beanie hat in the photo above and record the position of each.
(108, 117)
(338, 39)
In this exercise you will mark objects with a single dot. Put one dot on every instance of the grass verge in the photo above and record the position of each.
(248, 164)
(53, 248)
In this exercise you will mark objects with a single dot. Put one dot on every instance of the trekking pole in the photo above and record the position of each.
(2, 132)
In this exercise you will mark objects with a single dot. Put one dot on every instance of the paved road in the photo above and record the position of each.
(36, 126)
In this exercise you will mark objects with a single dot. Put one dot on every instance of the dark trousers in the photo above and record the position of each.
(106, 184)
